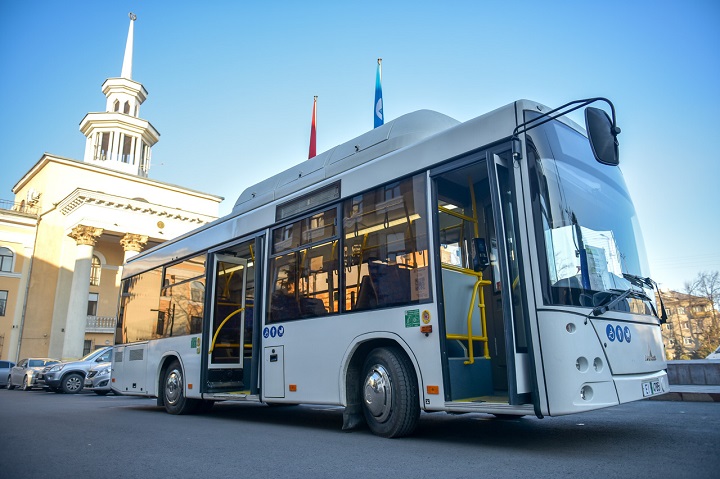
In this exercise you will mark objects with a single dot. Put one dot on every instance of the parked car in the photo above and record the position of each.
(715, 354)
(5, 367)
(69, 377)
(97, 379)
(25, 373)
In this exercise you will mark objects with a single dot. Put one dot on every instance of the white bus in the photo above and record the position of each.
(492, 266)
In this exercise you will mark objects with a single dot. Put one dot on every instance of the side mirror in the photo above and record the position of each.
(603, 136)
(481, 260)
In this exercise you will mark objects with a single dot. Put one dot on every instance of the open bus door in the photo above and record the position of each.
(514, 312)
(485, 350)
(227, 334)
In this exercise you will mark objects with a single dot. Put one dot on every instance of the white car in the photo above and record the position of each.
(715, 354)
(26, 373)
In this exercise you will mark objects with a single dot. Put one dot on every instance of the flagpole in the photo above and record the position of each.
(378, 115)
(313, 130)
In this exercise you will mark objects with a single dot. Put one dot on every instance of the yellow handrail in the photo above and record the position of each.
(212, 345)
(479, 282)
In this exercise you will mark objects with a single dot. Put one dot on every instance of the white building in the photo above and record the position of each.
(73, 223)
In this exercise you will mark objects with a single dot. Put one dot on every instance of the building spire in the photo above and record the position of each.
(127, 60)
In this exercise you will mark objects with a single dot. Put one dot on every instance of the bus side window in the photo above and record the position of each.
(386, 246)
(304, 268)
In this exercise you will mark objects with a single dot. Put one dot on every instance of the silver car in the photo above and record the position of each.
(69, 377)
(25, 373)
(5, 367)
(97, 379)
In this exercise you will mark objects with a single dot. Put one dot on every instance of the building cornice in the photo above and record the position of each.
(125, 85)
(81, 197)
(122, 121)
(49, 158)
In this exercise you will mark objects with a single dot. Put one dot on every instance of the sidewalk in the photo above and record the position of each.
(690, 392)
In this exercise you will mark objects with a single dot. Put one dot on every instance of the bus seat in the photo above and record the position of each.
(312, 307)
(367, 297)
(283, 307)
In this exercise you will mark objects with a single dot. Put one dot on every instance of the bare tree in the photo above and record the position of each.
(707, 286)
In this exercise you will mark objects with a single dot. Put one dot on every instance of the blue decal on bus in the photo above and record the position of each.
(273, 331)
(281, 331)
(266, 332)
(619, 333)
(627, 334)
(610, 331)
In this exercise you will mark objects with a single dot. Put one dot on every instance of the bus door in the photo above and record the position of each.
(465, 228)
(229, 311)
(509, 280)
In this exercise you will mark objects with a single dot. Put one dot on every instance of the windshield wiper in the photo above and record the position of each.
(620, 295)
(650, 283)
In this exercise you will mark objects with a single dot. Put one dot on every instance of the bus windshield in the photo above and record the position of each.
(590, 232)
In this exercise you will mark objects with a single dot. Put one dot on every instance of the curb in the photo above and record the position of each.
(688, 396)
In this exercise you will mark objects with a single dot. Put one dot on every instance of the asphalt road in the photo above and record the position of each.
(44, 434)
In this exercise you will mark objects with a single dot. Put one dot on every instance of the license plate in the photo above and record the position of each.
(88, 384)
(651, 388)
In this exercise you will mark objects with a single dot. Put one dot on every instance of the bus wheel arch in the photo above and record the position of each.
(381, 370)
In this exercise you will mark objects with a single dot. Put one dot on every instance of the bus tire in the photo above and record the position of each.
(390, 393)
(174, 391)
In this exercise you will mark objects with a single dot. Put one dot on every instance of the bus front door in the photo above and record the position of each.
(227, 334)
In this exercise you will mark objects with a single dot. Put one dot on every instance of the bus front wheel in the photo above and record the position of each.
(174, 391)
(390, 393)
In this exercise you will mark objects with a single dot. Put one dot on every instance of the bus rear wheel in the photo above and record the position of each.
(390, 393)
(174, 391)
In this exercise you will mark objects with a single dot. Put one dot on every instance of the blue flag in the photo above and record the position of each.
(378, 114)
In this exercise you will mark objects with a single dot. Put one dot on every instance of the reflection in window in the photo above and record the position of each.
(304, 270)
(182, 298)
(158, 304)
(385, 252)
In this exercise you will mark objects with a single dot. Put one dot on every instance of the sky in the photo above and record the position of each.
(231, 87)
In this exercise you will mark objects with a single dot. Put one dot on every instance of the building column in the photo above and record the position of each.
(85, 237)
(132, 244)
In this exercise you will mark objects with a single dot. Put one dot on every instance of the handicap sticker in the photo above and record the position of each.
(281, 331)
(610, 331)
(619, 333)
(273, 331)
(627, 334)
(266, 332)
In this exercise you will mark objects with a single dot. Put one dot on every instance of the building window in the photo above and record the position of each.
(126, 108)
(102, 146)
(6, 260)
(87, 347)
(685, 325)
(92, 304)
(3, 302)
(127, 156)
(95, 270)
(116, 106)
(687, 341)
(681, 310)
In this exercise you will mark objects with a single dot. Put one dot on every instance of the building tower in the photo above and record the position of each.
(118, 138)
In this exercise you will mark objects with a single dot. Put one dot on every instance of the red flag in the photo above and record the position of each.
(313, 130)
